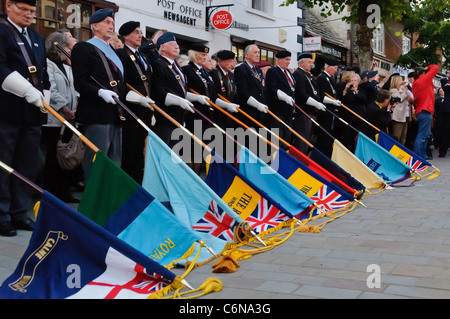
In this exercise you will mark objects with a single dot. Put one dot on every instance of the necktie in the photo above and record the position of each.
(25, 34)
(289, 78)
(228, 83)
(139, 56)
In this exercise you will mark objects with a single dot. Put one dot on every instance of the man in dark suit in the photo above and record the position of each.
(327, 84)
(307, 97)
(250, 85)
(379, 112)
(22, 84)
(97, 111)
(137, 73)
(444, 119)
(169, 87)
(280, 89)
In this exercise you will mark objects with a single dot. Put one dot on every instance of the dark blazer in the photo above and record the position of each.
(303, 90)
(164, 82)
(446, 104)
(196, 81)
(220, 84)
(326, 84)
(248, 84)
(277, 80)
(133, 78)
(14, 109)
(92, 109)
(379, 117)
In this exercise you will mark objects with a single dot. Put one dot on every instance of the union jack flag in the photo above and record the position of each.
(328, 199)
(416, 165)
(217, 223)
(142, 284)
(265, 216)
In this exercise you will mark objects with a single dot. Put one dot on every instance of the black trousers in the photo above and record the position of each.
(19, 149)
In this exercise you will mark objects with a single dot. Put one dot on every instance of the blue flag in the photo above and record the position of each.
(383, 163)
(177, 187)
(70, 256)
(117, 202)
(276, 186)
(326, 195)
(414, 161)
(253, 205)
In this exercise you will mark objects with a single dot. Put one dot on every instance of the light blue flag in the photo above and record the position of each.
(276, 186)
(177, 187)
(384, 164)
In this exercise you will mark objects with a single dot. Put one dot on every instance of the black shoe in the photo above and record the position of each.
(25, 223)
(441, 155)
(7, 229)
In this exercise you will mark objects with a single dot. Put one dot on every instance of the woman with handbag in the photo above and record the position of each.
(61, 145)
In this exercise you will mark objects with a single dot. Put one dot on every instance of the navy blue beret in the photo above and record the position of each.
(304, 55)
(166, 37)
(101, 15)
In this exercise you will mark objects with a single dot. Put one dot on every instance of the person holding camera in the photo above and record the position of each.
(399, 93)
(379, 112)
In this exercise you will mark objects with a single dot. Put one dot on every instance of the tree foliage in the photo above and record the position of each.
(430, 20)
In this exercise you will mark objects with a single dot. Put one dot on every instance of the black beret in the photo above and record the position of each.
(128, 27)
(332, 62)
(166, 37)
(32, 3)
(371, 74)
(101, 15)
(282, 54)
(226, 55)
(199, 47)
(304, 55)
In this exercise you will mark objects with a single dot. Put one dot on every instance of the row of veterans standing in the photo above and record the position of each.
(85, 90)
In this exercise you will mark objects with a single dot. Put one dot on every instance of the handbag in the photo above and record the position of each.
(69, 155)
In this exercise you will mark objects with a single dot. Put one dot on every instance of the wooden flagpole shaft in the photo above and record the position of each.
(21, 177)
(354, 113)
(257, 122)
(238, 121)
(70, 126)
(314, 121)
(173, 121)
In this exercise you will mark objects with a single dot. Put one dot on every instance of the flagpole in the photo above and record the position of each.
(11, 171)
(354, 113)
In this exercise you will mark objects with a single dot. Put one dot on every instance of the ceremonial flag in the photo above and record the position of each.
(323, 166)
(246, 199)
(177, 187)
(269, 181)
(383, 163)
(325, 194)
(417, 163)
(70, 256)
(116, 201)
(350, 163)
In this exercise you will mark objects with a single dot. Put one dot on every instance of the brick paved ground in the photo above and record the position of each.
(405, 231)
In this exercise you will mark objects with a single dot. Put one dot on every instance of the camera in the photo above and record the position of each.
(394, 100)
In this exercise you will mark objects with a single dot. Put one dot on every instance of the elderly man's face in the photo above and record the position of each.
(306, 64)
(252, 55)
(21, 14)
(104, 29)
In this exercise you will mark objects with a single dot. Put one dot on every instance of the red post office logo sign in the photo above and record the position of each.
(222, 20)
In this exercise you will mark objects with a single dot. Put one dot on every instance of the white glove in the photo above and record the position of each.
(257, 105)
(229, 106)
(317, 105)
(327, 100)
(134, 97)
(197, 98)
(108, 95)
(282, 96)
(172, 99)
(16, 84)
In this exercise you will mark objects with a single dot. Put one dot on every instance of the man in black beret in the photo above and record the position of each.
(280, 90)
(23, 79)
(307, 97)
(137, 73)
(326, 84)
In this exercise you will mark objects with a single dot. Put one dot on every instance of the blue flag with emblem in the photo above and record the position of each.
(325, 194)
(253, 205)
(70, 256)
(177, 187)
(276, 186)
(384, 164)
